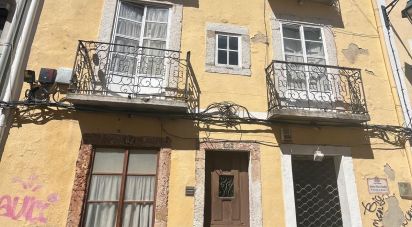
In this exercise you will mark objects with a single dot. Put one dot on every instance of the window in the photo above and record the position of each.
(143, 26)
(227, 50)
(3, 18)
(122, 188)
(304, 44)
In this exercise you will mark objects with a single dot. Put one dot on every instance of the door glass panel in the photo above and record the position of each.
(312, 34)
(293, 46)
(131, 11)
(314, 48)
(155, 30)
(157, 14)
(128, 28)
(226, 186)
(291, 31)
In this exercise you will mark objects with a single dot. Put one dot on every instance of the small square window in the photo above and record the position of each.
(227, 50)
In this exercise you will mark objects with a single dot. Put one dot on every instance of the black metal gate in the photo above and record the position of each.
(316, 193)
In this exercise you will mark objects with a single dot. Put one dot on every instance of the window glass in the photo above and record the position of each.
(313, 34)
(131, 11)
(293, 46)
(228, 50)
(108, 161)
(142, 162)
(291, 31)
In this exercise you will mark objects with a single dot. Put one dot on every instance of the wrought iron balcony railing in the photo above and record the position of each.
(303, 86)
(108, 69)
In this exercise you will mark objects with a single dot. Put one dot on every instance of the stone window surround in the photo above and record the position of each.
(175, 26)
(83, 166)
(348, 195)
(210, 65)
(255, 186)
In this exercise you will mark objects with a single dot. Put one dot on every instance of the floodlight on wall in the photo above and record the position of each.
(407, 12)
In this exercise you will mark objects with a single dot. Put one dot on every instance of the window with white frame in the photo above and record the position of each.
(140, 26)
(227, 50)
(305, 44)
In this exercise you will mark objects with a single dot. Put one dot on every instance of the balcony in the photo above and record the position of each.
(319, 93)
(114, 76)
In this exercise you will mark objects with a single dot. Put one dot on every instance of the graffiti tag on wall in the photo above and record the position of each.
(27, 207)
(383, 205)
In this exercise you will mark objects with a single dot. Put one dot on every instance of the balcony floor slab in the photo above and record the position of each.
(142, 103)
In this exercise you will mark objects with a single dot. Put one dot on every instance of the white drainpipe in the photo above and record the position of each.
(398, 74)
(16, 70)
(11, 34)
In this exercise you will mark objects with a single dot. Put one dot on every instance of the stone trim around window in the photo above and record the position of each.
(346, 181)
(243, 32)
(255, 185)
(83, 166)
(175, 27)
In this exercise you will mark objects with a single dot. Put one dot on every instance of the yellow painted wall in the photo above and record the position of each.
(49, 148)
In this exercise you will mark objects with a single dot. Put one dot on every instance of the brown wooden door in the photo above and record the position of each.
(227, 189)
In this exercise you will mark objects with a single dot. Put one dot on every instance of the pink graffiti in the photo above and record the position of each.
(31, 209)
(29, 184)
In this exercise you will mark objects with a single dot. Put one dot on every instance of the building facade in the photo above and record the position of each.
(207, 113)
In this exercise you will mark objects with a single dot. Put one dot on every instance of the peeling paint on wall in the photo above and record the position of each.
(389, 172)
(394, 215)
(353, 51)
(259, 38)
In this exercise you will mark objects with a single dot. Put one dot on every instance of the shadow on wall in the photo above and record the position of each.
(307, 11)
(408, 72)
(182, 133)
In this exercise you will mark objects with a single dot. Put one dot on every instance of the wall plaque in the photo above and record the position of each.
(378, 185)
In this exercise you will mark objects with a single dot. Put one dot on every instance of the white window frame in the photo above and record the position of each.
(239, 50)
(303, 41)
(143, 23)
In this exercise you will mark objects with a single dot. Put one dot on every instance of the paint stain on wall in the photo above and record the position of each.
(259, 38)
(353, 51)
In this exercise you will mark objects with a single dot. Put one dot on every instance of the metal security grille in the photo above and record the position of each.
(316, 193)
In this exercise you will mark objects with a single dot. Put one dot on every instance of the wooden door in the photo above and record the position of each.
(227, 189)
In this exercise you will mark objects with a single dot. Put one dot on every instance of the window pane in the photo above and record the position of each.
(226, 186)
(123, 42)
(102, 215)
(129, 28)
(291, 31)
(155, 30)
(108, 160)
(320, 61)
(313, 48)
(140, 188)
(222, 41)
(142, 162)
(222, 57)
(233, 58)
(157, 14)
(138, 215)
(292, 46)
(233, 43)
(291, 58)
(312, 34)
(104, 188)
(131, 11)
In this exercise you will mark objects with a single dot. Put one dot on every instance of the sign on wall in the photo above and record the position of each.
(378, 185)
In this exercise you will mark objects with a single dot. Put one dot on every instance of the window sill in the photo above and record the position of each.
(228, 70)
